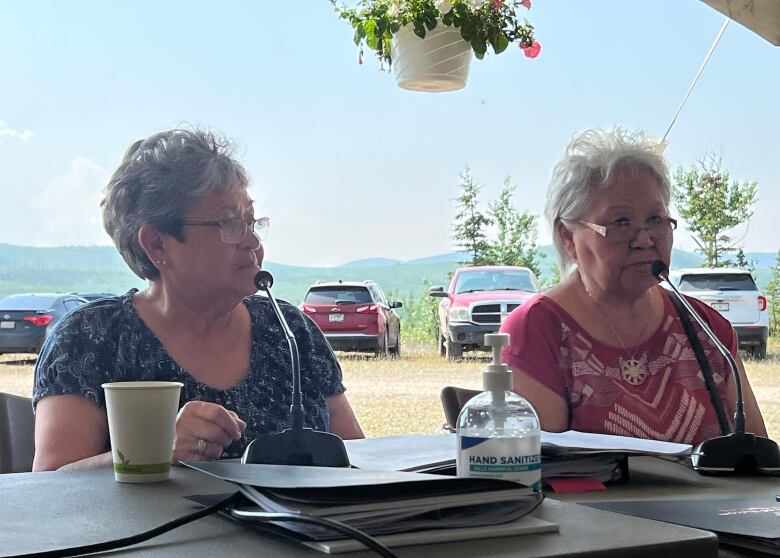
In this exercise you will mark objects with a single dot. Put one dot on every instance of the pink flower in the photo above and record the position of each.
(526, 4)
(497, 4)
(533, 50)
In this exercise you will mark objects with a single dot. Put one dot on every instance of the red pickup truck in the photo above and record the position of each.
(476, 302)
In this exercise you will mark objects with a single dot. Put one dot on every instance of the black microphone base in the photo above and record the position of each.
(297, 447)
(739, 454)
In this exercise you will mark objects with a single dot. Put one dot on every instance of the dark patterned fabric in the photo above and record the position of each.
(106, 341)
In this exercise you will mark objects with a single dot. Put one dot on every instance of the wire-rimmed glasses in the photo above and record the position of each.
(625, 231)
(233, 230)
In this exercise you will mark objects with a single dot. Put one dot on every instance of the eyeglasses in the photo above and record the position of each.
(623, 230)
(233, 230)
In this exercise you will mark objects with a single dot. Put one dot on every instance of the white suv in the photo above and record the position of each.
(733, 293)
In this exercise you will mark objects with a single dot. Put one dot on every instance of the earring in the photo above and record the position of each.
(161, 262)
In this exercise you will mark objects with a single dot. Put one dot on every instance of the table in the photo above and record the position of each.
(44, 511)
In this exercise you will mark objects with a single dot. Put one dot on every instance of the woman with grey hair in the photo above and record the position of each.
(604, 350)
(180, 215)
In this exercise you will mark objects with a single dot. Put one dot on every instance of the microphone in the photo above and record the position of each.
(738, 452)
(295, 445)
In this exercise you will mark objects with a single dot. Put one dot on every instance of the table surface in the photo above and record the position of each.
(45, 511)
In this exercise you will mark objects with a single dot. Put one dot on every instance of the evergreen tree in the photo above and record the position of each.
(773, 296)
(470, 223)
(711, 206)
(516, 235)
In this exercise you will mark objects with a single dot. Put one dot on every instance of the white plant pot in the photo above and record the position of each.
(439, 62)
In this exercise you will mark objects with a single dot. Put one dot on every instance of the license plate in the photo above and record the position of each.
(7, 325)
(720, 306)
(336, 317)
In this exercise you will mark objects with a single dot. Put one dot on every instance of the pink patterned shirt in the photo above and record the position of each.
(668, 402)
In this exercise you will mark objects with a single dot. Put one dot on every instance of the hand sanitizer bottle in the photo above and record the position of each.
(498, 431)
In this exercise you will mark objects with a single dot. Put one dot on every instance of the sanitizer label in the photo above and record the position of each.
(515, 459)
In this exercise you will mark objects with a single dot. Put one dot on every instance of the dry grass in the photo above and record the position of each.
(402, 396)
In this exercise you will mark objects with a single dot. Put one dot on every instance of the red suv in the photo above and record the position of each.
(355, 316)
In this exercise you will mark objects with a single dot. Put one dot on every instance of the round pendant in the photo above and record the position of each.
(633, 371)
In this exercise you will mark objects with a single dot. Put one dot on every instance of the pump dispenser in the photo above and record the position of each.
(498, 431)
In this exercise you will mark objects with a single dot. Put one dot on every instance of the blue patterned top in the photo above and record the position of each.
(107, 341)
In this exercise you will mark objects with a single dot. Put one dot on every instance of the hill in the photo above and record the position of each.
(101, 269)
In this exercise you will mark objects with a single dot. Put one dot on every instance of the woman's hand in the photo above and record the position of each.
(204, 430)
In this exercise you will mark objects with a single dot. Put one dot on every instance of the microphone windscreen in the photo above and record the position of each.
(264, 280)
(657, 268)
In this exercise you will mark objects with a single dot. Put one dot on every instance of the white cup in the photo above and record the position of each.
(142, 426)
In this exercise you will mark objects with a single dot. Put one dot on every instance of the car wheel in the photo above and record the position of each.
(442, 342)
(381, 345)
(759, 352)
(396, 351)
(454, 350)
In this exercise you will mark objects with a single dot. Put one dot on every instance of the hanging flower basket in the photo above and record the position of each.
(429, 42)
(439, 62)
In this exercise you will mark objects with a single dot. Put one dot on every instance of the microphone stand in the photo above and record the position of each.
(295, 445)
(739, 452)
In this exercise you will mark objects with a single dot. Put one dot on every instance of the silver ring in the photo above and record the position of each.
(202, 445)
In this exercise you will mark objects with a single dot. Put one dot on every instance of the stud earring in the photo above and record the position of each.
(161, 262)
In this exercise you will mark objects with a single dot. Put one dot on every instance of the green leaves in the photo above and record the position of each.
(711, 207)
(499, 42)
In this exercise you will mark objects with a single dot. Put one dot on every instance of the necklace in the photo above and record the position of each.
(632, 370)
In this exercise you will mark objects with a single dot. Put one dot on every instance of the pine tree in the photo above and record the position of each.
(470, 223)
(711, 206)
(516, 237)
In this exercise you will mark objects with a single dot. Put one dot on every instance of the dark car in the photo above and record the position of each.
(355, 316)
(95, 296)
(26, 319)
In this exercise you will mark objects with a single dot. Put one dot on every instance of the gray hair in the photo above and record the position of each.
(596, 159)
(159, 179)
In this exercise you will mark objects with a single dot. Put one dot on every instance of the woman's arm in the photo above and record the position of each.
(551, 408)
(69, 429)
(342, 419)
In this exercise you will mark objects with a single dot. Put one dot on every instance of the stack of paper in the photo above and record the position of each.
(564, 454)
(381, 503)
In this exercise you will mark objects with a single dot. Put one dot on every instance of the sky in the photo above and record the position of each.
(347, 164)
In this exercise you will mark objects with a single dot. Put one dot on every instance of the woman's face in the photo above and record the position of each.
(622, 268)
(204, 262)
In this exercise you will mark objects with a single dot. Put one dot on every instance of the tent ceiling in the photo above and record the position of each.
(760, 16)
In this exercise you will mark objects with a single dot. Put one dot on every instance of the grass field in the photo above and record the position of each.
(402, 396)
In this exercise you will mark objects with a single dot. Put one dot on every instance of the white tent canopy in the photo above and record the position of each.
(760, 16)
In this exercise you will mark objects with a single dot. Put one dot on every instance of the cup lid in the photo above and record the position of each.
(141, 385)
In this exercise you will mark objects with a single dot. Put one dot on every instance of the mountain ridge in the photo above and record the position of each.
(102, 269)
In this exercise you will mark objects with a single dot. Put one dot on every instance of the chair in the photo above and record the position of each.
(17, 434)
(453, 399)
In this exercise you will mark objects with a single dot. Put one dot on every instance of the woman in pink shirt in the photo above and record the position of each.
(605, 350)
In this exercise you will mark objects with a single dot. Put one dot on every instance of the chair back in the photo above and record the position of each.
(453, 399)
(17, 434)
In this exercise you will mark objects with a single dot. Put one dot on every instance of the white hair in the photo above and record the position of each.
(596, 159)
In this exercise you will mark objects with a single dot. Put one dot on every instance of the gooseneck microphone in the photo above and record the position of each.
(737, 452)
(295, 445)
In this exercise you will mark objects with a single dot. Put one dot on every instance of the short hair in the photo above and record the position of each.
(595, 159)
(159, 179)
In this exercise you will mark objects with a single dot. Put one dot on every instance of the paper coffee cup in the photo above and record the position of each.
(142, 426)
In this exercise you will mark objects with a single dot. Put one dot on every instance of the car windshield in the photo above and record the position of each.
(338, 295)
(495, 281)
(27, 302)
(718, 282)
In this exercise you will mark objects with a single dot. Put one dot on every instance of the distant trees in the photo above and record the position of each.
(773, 296)
(516, 231)
(711, 206)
